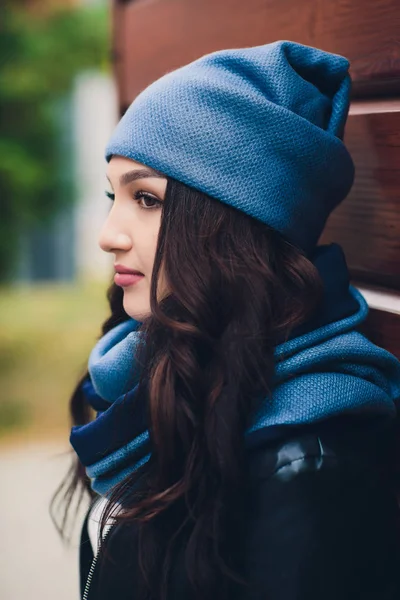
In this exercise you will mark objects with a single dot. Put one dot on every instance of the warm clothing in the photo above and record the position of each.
(321, 521)
(258, 128)
(261, 129)
(323, 370)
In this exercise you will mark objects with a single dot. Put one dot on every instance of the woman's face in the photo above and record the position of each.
(131, 229)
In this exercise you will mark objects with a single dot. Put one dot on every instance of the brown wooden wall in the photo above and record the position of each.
(152, 37)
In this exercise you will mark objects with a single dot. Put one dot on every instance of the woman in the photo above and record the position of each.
(244, 441)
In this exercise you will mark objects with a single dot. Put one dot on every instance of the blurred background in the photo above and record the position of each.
(57, 108)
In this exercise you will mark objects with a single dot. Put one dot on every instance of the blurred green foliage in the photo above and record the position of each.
(46, 334)
(39, 59)
(13, 414)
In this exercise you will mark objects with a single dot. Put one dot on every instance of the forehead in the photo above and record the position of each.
(120, 164)
(124, 170)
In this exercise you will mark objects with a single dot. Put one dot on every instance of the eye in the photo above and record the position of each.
(110, 195)
(147, 201)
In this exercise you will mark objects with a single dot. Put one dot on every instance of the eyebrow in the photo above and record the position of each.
(130, 176)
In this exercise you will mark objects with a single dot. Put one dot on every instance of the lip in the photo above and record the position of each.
(121, 269)
(125, 277)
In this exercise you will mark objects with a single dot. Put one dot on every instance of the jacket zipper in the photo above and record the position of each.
(92, 568)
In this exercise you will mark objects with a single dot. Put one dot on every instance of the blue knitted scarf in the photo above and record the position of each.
(325, 369)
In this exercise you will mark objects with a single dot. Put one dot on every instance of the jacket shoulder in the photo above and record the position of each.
(364, 444)
(322, 514)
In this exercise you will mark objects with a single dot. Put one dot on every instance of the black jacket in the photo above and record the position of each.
(322, 524)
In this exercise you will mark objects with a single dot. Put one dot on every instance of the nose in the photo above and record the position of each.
(113, 238)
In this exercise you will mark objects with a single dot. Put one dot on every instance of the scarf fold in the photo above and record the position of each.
(327, 368)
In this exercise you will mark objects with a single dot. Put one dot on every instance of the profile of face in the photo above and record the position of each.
(131, 229)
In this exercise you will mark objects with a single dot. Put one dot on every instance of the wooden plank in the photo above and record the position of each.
(383, 328)
(156, 36)
(383, 323)
(380, 298)
(367, 223)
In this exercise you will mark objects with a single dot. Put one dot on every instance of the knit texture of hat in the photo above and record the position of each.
(257, 128)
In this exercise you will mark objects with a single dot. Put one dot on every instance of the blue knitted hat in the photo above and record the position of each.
(258, 128)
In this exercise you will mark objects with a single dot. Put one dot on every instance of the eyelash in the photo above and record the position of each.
(138, 196)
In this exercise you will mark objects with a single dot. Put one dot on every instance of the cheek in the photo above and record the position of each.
(149, 239)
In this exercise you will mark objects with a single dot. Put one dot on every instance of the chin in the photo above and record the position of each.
(135, 309)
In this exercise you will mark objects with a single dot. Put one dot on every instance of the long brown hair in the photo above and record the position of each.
(235, 289)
